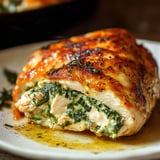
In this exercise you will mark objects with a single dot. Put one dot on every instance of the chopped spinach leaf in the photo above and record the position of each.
(38, 97)
(65, 124)
(81, 64)
(77, 113)
(45, 47)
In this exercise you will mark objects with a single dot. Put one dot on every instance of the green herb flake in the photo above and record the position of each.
(70, 70)
(53, 71)
(10, 75)
(67, 123)
(5, 98)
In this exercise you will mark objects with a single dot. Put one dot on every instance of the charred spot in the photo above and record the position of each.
(109, 68)
(98, 49)
(93, 51)
(117, 57)
(116, 85)
(99, 62)
(45, 47)
(87, 52)
(118, 64)
(48, 45)
(139, 94)
(109, 78)
(131, 46)
(100, 86)
(127, 36)
(74, 45)
(122, 47)
(100, 39)
(141, 70)
(63, 74)
(106, 38)
(114, 41)
(53, 71)
(90, 68)
(117, 34)
(100, 77)
(79, 64)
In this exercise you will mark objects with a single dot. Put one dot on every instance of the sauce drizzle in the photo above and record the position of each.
(149, 134)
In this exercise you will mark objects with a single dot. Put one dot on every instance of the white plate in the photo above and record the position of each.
(14, 59)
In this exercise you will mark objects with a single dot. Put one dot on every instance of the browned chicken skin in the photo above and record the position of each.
(105, 65)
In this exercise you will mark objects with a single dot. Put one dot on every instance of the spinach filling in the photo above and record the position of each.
(77, 109)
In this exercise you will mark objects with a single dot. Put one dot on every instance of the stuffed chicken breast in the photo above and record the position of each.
(101, 81)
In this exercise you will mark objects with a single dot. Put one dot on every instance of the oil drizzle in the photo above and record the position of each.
(149, 134)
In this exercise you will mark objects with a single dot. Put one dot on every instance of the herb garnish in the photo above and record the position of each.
(89, 66)
(5, 98)
(10, 75)
(45, 47)
(79, 61)
(52, 71)
(6, 95)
